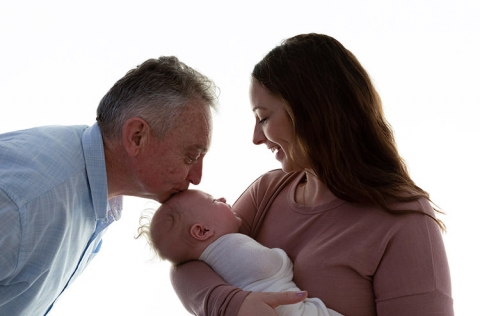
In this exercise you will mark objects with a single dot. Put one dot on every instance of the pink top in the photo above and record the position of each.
(358, 260)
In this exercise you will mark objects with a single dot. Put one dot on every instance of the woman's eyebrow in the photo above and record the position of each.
(258, 107)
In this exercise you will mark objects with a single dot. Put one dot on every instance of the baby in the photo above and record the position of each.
(192, 225)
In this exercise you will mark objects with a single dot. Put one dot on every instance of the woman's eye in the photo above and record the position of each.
(261, 121)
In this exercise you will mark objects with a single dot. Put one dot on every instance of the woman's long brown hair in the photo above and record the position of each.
(338, 121)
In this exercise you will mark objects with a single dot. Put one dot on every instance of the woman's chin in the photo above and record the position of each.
(288, 167)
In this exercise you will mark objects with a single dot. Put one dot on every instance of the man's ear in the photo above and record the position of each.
(200, 232)
(135, 134)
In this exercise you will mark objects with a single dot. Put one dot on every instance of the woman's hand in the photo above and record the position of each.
(264, 303)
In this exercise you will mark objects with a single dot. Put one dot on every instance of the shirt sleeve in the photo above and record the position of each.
(10, 238)
(413, 276)
(202, 292)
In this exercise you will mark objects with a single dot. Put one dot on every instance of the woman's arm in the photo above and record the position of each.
(413, 277)
(203, 292)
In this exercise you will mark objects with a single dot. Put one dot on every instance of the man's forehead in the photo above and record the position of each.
(196, 128)
(197, 139)
(197, 113)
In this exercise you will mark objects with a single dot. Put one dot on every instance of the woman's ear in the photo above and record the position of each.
(200, 232)
(135, 134)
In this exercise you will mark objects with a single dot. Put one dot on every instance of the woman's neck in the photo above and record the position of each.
(312, 191)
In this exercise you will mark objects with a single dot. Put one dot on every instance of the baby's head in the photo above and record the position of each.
(183, 226)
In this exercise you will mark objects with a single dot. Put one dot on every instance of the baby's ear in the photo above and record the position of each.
(200, 232)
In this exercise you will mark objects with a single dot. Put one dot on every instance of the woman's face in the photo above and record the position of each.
(273, 126)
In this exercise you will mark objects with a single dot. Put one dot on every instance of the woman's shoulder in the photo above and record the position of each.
(404, 216)
(277, 176)
(272, 182)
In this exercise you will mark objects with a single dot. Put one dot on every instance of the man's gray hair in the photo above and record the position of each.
(157, 91)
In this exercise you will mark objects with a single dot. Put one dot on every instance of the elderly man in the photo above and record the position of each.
(61, 186)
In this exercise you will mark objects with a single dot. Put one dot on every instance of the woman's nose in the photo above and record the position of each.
(258, 135)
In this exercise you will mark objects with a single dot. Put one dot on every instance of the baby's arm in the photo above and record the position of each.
(245, 263)
(241, 261)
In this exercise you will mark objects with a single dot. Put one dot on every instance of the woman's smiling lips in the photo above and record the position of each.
(274, 148)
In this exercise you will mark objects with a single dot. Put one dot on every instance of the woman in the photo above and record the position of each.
(363, 237)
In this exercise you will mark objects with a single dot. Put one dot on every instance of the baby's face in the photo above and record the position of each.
(215, 213)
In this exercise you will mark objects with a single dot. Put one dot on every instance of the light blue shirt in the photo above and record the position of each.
(53, 212)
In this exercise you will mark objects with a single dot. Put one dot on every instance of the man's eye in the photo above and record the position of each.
(261, 121)
(191, 159)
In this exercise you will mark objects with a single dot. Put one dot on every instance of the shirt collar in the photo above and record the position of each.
(96, 170)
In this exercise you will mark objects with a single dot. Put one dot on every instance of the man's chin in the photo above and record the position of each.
(164, 197)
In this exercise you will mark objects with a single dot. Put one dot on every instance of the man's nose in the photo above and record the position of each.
(195, 172)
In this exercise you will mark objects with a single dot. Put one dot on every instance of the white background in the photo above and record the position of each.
(58, 58)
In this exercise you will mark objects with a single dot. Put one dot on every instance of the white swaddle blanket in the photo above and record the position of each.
(243, 262)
